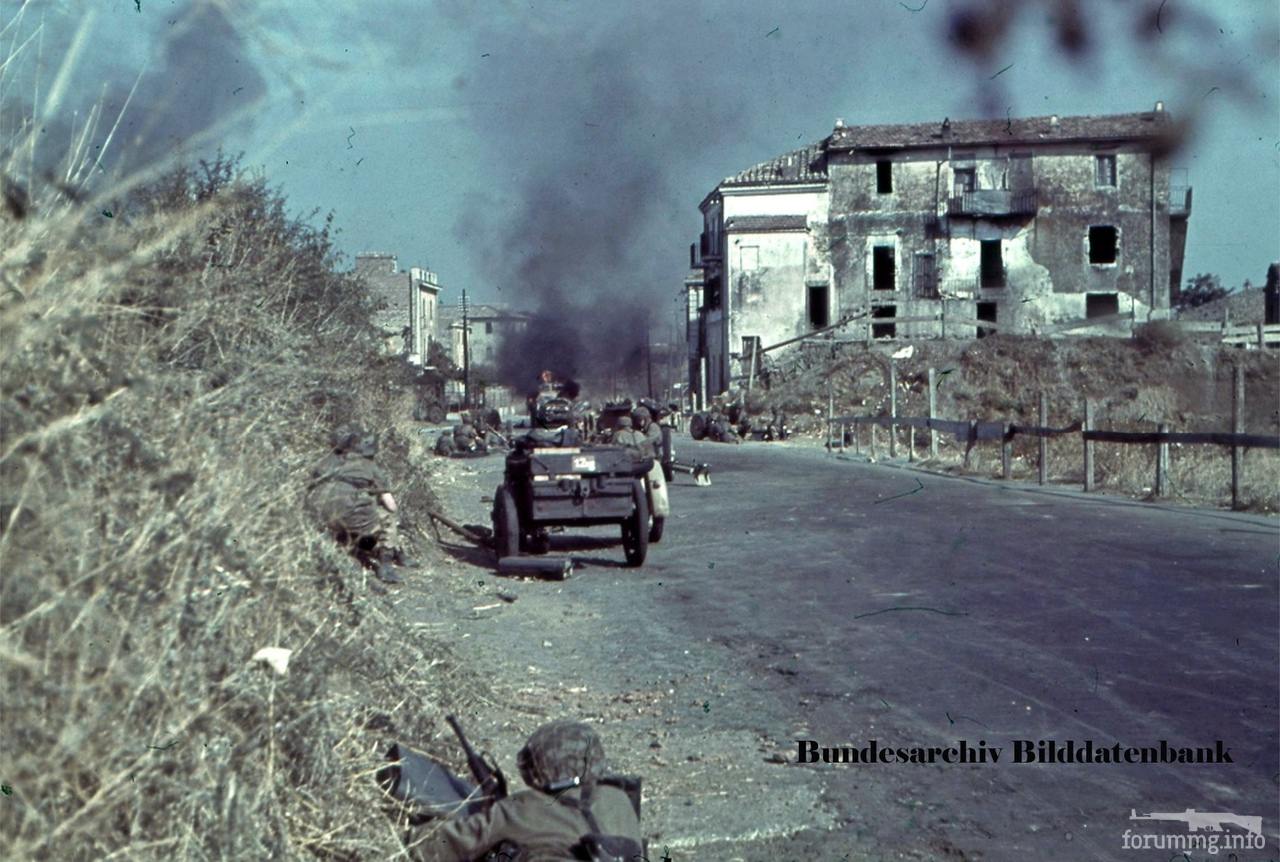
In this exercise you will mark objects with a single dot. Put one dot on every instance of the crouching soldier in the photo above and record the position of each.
(351, 496)
(569, 811)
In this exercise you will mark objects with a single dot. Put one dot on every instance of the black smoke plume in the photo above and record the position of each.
(599, 114)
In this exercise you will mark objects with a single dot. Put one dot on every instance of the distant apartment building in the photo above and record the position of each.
(1016, 224)
(406, 304)
(488, 326)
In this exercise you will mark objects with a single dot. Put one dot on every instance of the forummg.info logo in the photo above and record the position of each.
(1204, 832)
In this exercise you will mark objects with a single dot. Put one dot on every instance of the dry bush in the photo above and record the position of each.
(169, 375)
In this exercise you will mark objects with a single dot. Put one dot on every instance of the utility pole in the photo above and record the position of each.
(648, 356)
(466, 352)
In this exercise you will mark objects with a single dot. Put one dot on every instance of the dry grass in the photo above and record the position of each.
(169, 375)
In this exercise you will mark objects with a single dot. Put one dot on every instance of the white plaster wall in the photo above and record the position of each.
(810, 203)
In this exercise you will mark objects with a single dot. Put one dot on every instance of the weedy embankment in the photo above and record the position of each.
(171, 365)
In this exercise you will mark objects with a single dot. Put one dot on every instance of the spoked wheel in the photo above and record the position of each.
(506, 524)
(635, 530)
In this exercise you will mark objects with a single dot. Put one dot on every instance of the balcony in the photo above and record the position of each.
(1180, 201)
(706, 251)
(993, 202)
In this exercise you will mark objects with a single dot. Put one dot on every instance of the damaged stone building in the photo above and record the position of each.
(949, 229)
(405, 304)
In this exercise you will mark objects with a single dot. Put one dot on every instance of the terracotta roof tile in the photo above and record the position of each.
(798, 166)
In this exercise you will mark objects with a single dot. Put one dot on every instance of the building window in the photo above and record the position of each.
(884, 176)
(1101, 304)
(987, 312)
(1104, 169)
(883, 274)
(966, 180)
(488, 327)
(1104, 244)
(992, 274)
(819, 315)
(884, 330)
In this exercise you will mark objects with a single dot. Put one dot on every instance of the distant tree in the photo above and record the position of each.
(1201, 289)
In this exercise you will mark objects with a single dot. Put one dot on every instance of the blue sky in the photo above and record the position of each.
(505, 144)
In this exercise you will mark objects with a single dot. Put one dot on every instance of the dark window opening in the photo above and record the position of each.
(966, 180)
(1105, 170)
(712, 293)
(926, 277)
(884, 330)
(818, 312)
(1101, 304)
(884, 177)
(488, 327)
(992, 263)
(986, 311)
(1104, 244)
(883, 276)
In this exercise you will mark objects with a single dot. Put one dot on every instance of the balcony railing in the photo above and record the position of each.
(993, 202)
(1180, 200)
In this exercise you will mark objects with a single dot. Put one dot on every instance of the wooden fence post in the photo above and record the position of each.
(893, 408)
(1162, 462)
(844, 431)
(857, 438)
(874, 427)
(911, 442)
(1006, 453)
(831, 414)
(969, 442)
(933, 411)
(1262, 335)
(1088, 446)
(1237, 427)
(1044, 441)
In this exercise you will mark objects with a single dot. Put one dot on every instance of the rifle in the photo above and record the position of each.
(491, 781)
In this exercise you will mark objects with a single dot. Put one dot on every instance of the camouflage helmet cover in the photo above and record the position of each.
(352, 438)
(561, 751)
(642, 416)
(624, 421)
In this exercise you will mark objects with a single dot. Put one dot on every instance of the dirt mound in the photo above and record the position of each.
(1132, 384)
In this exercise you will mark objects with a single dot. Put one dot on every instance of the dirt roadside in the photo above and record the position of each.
(596, 647)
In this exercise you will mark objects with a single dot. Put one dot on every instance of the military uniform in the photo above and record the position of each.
(344, 494)
(546, 824)
(351, 496)
(627, 436)
(651, 447)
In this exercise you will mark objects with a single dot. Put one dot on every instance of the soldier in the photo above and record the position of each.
(352, 497)
(643, 420)
(625, 435)
(465, 437)
(555, 819)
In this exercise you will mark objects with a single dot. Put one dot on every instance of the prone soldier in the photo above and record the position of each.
(352, 497)
(568, 811)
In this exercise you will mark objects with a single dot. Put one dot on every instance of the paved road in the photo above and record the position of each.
(843, 602)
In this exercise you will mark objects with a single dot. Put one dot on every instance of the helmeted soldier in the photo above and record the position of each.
(626, 435)
(351, 496)
(565, 811)
(642, 418)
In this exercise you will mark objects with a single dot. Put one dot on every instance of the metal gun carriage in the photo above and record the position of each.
(548, 486)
